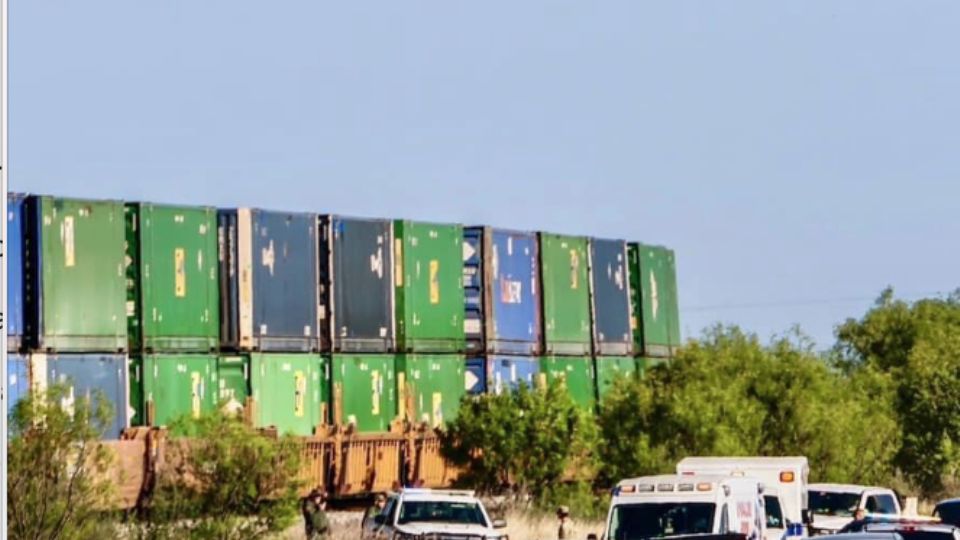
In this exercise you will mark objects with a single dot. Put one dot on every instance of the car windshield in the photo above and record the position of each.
(949, 513)
(654, 520)
(465, 513)
(771, 505)
(834, 504)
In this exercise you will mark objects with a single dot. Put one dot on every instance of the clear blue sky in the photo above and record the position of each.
(801, 155)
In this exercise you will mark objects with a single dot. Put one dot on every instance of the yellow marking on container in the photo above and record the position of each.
(299, 403)
(67, 235)
(196, 389)
(437, 409)
(179, 273)
(398, 261)
(574, 269)
(434, 281)
(377, 387)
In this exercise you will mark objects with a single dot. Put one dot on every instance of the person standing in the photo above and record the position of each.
(314, 508)
(378, 505)
(565, 531)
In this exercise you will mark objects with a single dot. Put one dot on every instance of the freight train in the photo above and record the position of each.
(312, 322)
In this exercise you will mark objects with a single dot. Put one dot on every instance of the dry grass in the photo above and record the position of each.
(520, 526)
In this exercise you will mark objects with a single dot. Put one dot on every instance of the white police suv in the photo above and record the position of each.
(429, 514)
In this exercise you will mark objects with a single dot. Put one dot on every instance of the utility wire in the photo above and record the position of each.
(774, 304)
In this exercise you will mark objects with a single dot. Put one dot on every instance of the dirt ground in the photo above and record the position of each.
(346, 526)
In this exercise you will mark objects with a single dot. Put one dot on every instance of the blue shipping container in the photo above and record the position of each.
(84, 374)
(268, 271)
(475, 376)
(610, 298)
(507, 372)
(510, 290)
(18, 380)
(14, 271)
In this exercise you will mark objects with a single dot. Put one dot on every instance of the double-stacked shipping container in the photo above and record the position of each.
(173, 311)
(429, 297)
(655, 315)
(611, 313)
(566, 312)
(270, 327)
(501, 280)
(73, 302)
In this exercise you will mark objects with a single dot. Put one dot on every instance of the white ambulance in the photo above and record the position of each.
(675, 505)
(784, 486)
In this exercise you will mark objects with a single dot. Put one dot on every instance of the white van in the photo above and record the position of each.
(672, 505)
(784, 486)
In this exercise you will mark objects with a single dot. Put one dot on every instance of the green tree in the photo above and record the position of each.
(57, 484)
(914, 348)
(522, 441)
(230, 483)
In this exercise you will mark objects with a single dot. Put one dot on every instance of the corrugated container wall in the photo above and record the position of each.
(14, 252)
(364, 391)
(655, 306)
(609, 279)
(289, 391)
(611, 368)
(506, 373)
(177, 385)
(356, 255)
(18, 380)
(85, 376)
(75, 293)
(429, 387)
(233, 379)
(501, 281)
(576, 374)
(566, 295)
(172, 279)
(429, 287)
(268, 274)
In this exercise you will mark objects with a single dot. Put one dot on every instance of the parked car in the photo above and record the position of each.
(833, 506)
(916, 531)
(428, 513)
(861, 524)
(948, 511)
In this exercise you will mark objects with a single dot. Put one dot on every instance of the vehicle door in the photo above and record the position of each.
(381, 527)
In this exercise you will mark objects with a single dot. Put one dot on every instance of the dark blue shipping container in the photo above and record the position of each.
(84, 374)
(610, 297)
(475, 376)
(356, 285)
(505, 373)
(14, 271)
(18, 380)
(268, 277)
(508, 302)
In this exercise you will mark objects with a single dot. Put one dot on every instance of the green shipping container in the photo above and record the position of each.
(364, 391)
(172, 278)
(175, 385)
(75, 299)
(574, 372)
(653, 293)
(233, 379)
(430, 387)
(566, 295)
(611, 368)
(290, 391)
(429, 287)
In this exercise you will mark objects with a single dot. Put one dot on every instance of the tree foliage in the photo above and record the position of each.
(521, 441)
(232, 482)
(57, 483)
(728, 395)
(916, 348)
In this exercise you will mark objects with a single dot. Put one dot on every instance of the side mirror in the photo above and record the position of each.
(379, 519)
(499, 524)
(807, 517)
(591, 536)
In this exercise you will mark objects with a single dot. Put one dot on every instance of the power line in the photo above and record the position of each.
(774, 304)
